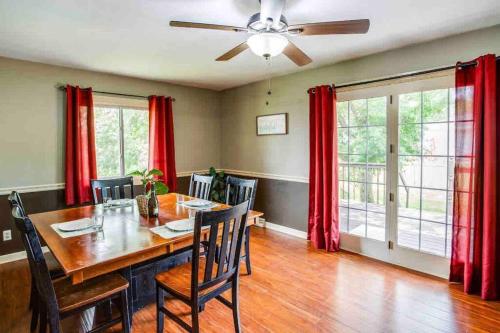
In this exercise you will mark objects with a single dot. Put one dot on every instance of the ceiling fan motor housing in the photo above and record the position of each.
(256, 25)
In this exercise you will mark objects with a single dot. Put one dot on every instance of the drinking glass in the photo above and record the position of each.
(180, 199)
(98, 222)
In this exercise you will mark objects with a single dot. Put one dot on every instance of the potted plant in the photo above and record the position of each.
(218, 192)
(152, 186)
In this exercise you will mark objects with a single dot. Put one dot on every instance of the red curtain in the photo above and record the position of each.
(323, 222)
(475, 256)
(80, 145)
(161, 139)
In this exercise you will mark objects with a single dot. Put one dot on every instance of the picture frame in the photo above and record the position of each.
(272, 124)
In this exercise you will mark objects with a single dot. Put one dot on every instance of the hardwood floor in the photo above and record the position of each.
(294, 288)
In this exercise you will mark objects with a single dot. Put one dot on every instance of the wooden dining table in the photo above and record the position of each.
(125, 238)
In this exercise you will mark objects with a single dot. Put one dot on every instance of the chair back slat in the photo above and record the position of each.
(15, 200)
(200, 186)
(115, 188)
(239, 190)
(228, 225)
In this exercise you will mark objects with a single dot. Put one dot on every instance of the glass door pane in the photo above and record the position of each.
(426, 134)
(362, 137)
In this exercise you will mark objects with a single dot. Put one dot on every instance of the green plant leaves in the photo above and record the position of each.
(154, 172)
(161, 188)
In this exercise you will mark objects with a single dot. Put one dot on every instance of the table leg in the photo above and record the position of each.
(127, 274)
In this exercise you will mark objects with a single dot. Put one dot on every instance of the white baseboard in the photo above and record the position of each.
(280, 228)
(17, 256)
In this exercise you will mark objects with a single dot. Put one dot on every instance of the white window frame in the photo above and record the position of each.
(388, 250)
(120, 103)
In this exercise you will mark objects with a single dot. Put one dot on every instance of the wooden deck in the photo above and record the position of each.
(294, 288)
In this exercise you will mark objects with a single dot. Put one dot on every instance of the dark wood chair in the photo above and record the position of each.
(203, 279)
(60, 298)
(239, 190)
(114, 188)
(200, 186)
(53, 266)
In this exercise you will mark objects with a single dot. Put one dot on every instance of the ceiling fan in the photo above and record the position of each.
(269, 29)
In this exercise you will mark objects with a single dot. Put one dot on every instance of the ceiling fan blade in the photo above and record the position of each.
(330, 28)
(180, 24)
(233, 52)
(296, 55)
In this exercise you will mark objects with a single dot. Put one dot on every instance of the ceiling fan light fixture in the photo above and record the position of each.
(267, 44)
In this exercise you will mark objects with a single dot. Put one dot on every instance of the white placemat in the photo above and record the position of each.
(68, 234)
(209, 204)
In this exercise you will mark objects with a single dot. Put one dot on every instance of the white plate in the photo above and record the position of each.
(181, 225)
(76, 225)
(197, 203)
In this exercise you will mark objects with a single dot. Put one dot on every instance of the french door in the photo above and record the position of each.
(395, 154)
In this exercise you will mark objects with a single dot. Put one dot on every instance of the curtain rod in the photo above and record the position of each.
(115, 94)
(401, 76)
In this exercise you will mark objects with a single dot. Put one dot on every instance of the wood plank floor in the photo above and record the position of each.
(294, 288)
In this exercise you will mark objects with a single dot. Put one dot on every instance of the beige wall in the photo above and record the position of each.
(32, 120)
(289, 154)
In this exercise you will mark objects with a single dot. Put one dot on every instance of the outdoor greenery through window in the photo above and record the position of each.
(121, 136)
(362, 137)
(426, 164)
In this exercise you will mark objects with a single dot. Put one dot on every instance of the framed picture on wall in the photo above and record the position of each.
(272, 124)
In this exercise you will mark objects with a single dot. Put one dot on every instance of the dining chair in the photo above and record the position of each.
(202, 279)
(53, 266)
(200, 186)
(60, 298)
(239, 190)
(113, 188)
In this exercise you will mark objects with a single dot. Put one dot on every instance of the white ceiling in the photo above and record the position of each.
(132, 37)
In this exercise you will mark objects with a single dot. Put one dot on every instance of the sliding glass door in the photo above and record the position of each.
(396, 142)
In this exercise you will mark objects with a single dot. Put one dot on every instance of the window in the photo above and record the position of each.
(362, 133)
(396, 163)
(426, 162)
(121, 135)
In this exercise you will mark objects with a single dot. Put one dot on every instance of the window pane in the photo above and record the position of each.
(409, 108)
(435, 105)
(409, 171)
(343, 219)
(376, 197)
(434, 205)
(434, 172)
(409, 202)
(343, 140)
(357, 222)
(342, 110)
(409, 139)
(357, 140)
(435, 140)
(107, 141)
(357, 195)
(135, 135)
(377, 109)
(408, 232)
(375, 226)
(357, 168)
(358, 113)
(343, 166)
(343, 193)
(377, 137)
(433, 236)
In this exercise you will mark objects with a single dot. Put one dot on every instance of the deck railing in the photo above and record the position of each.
(367, 181)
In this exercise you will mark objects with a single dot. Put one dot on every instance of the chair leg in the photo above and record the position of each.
(195, 325)
(125, 313)
(43, 319)
(35, 310)
(236, 306)
(54, 322)
(160, 298)
(32, 294)
(247, 250)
